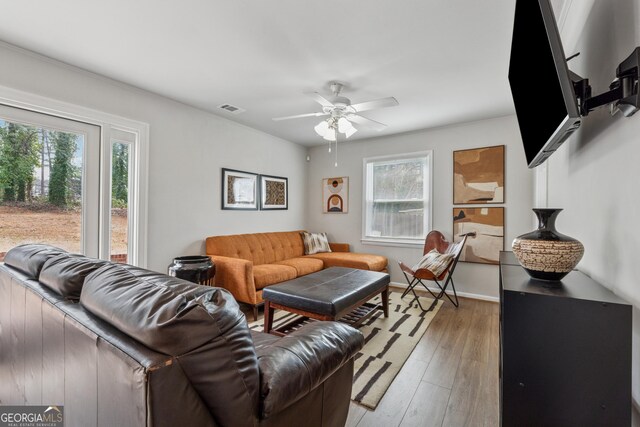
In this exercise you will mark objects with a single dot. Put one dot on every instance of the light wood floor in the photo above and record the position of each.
(450, 379)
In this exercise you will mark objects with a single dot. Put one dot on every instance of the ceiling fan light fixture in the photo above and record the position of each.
(350, 132)
(344, 125)
(330, 135)
(322, 128)
(342, 115)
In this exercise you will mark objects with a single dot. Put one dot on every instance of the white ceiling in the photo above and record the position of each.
(444, 60)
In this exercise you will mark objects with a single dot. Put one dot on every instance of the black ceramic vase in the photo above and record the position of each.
(194, 268)
(545, 253)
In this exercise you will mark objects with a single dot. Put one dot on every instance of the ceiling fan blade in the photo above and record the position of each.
(277, 119)
(377, 103)
(366, 122)
(319, 99)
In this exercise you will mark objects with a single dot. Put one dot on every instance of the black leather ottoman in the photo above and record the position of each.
(336, 293)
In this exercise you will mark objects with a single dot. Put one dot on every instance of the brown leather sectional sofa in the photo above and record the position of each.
(247, 263)
(121, 346)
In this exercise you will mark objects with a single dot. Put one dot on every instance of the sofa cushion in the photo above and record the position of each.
(65, 274)
(435, 262)
(163, 305)
(352, 260)
(201, 326)
(303, 265)
(268, 274)
(315, 243)
(259, 248)
(30, 258)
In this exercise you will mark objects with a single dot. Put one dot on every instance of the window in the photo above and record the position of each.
(397, 202)
(71, 177)
(49, 181)
(121, 189)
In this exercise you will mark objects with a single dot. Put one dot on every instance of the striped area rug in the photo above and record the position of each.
(388, 344)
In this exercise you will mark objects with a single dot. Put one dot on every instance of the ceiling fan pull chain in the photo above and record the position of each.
(336, 164)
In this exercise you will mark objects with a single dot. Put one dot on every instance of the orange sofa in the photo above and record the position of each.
(246, 263)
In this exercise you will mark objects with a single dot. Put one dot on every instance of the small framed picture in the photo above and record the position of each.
(239, 190)
(335, 194)
(274, 192)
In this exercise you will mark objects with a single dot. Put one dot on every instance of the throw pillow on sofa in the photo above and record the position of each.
(435, 262)
(315, 243)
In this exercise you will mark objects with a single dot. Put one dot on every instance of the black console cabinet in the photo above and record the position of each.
(565, 351)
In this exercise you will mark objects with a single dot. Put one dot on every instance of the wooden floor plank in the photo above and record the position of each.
(494, 342)
(429, 342)
(428, 406)
(444, 364)
(356, 412)
(485, 307)
(396, 400)
(455, 333)
(479, 338)
(465, 406)
(491, 384)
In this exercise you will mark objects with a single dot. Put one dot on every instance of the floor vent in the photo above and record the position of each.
(231, 109)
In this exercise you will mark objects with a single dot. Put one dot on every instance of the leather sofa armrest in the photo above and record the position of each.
(236, 276)
(339, 247)
(295, 364)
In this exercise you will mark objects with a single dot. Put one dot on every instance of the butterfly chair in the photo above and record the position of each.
(435, 240)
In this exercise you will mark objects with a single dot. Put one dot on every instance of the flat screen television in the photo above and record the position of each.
(541, 85)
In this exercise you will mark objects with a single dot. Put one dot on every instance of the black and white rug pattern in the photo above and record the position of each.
(388, 344)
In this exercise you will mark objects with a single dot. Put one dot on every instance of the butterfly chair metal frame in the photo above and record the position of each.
(435, 240)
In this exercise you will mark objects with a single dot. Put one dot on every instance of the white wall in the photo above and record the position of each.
(595, 175)
(479, 279)
(187, 148)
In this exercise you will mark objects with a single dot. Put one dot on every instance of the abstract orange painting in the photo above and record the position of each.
(488, 224)
(478, 176)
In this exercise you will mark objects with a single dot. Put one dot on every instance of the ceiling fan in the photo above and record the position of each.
(342, 113)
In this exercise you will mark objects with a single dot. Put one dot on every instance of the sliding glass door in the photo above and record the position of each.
(66, 183)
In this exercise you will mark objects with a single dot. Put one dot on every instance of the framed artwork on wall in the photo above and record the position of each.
(478, 176)
(274, 192)
(239, 190)
(488, 224)
(335, 195)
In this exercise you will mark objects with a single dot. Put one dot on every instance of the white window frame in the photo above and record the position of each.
(119, 136)
(368, 196)
(109, 124)
(89, 244)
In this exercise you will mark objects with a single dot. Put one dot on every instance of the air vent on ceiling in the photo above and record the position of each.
(231, 109)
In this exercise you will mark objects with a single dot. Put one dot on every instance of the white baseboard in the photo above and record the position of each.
(460, 294)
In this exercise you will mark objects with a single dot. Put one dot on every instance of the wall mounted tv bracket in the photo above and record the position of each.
(623, 92)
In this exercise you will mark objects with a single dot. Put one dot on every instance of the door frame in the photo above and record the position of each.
(91, 202)
(109, 124)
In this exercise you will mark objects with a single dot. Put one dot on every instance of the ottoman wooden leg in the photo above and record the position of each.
(255, 312)
(268, 317)
(385, 301)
